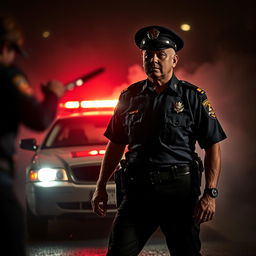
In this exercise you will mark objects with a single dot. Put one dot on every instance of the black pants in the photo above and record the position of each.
(12, 230)
(146, 207)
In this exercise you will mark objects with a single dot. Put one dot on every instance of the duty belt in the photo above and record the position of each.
(165, 174)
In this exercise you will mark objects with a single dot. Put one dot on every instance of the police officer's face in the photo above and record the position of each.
(159, 64)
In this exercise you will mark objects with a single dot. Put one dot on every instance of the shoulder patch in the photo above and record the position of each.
(22, 85)
(199, 90)
(208, 107)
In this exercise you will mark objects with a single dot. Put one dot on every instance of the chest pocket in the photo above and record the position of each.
(178, 120)
(133, 120)
(178, 128)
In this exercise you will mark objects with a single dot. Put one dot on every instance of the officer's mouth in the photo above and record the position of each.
(154, 69)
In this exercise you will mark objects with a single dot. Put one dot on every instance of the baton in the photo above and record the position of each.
(81, 80)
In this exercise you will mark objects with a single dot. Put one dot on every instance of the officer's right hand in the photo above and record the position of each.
(99, 201)
(55, 87)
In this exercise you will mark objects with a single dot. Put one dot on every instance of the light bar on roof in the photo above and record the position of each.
(86, 153)
(98, 103)
(71, 104)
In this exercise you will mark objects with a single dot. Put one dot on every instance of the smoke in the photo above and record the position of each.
(135, 74)
(230, 86)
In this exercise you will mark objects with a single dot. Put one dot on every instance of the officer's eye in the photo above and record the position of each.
(161, 54)
(148, 55)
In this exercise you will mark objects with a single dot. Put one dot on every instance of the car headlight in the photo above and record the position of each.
(48, 174)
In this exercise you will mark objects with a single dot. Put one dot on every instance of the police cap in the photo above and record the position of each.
(11, 33)
(157, 38)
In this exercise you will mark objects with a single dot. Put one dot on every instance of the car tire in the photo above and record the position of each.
(36, 227)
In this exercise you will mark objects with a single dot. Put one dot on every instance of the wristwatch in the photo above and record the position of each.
(212, 192)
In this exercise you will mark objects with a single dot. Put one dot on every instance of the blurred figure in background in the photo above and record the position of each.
(17, 105)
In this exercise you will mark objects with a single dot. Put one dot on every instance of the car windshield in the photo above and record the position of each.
(78, 131)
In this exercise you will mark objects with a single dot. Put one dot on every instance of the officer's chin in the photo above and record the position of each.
(154, 74)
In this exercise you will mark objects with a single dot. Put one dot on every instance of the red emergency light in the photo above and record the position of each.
(71, 105)
(87, 107)
(89, 104)
(86, 153)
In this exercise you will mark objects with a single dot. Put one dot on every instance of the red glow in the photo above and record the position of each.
(88, 153)
(90, 252)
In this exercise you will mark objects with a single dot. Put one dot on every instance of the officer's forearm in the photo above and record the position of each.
(212, 163)
(112, 157)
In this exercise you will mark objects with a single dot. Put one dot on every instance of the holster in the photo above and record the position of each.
(120, 181)
(198, 169)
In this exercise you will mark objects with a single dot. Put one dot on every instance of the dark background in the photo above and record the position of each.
(219, 56)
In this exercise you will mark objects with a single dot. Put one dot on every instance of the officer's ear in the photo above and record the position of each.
(175, 60)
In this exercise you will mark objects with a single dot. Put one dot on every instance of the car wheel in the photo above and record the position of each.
(36, 227)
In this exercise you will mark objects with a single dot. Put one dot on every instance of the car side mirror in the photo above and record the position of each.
(28, 144)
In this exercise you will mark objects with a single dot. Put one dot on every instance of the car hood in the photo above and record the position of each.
(62, 157)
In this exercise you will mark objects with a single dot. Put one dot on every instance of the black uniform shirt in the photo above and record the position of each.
(18, 105)
(163, 128)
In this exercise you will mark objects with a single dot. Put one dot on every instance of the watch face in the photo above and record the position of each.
(213, 192)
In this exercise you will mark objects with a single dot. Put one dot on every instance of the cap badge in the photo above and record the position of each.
(153, 34)
(178, 107)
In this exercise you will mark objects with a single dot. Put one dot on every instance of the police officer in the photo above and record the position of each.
(17, 105)
(161, 119)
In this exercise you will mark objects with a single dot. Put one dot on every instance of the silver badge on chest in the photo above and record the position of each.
(178, 107)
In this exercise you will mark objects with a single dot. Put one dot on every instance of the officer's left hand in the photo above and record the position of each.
(204, 210)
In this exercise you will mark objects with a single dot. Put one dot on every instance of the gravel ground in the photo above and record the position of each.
(76, 239)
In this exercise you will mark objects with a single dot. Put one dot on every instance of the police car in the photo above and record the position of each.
(61, 177)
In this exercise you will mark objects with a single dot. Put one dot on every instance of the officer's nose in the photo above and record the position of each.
(154, 58)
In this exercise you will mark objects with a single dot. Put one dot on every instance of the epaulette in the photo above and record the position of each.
(134, 88)
(192, 86)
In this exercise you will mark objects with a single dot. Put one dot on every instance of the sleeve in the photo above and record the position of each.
(34, 114)
(116, 131)
(209, 128)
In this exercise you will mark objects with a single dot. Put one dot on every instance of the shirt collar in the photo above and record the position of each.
(172, 85)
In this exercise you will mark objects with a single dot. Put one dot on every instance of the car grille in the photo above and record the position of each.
(86, 173)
